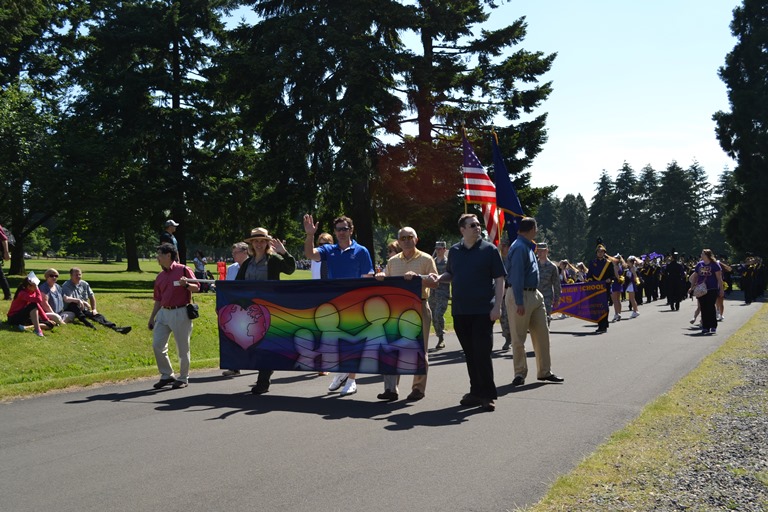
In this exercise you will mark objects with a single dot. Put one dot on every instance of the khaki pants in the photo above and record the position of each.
(174, 321)
(419, 381)
(535, 321)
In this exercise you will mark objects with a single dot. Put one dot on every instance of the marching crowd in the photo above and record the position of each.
(515, 283)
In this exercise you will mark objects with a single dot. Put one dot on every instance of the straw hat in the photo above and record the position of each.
(257, 233)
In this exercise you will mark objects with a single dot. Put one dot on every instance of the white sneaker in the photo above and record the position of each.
(634, 314)
(719, 318)
(562, 316)
(338, 380)
(350, 388)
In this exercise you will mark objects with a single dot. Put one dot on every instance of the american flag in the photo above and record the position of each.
(479, 188)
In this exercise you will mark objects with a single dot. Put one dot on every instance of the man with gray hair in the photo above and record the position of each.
(410, 263)
(549, 280)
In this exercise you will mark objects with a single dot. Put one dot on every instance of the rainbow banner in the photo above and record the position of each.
(588, 301)
(339, 325)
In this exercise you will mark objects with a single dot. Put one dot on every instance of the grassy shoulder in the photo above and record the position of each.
(73, 355)
(636, 463)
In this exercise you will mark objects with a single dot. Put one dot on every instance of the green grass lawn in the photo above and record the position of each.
(74, 355)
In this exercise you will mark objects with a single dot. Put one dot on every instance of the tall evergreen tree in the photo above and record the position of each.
(645, 226)
(141, 107)
(743, 132)
(571, 228)
(603, 212)
(625, 188)
(679, 225)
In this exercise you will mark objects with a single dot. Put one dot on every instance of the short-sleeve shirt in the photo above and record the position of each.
(353, 262)
(706, 273)
(166, 293)
(421, 263)
(55, 296)
(473, 271)
(80, 291)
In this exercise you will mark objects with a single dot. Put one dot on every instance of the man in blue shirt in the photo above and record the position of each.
(346, 259)
(525, 305)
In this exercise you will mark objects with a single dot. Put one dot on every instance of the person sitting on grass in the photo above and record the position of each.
(27, 307)
(54, 296)
(84, 308)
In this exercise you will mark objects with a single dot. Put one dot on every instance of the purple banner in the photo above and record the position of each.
(587, 301)
(339, 325)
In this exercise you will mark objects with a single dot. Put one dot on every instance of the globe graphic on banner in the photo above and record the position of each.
(246, 327)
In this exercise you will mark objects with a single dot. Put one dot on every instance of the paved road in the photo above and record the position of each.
(214, 446)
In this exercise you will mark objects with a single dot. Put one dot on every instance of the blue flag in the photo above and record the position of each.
(506, 196)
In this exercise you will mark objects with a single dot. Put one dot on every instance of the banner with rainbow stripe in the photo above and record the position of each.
(339, 325)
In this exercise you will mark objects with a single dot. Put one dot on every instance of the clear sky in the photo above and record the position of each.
(634, 81)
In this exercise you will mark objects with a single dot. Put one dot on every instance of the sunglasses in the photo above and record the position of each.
(55, 276)
(342, 228)
(405, 238)
(473, 225)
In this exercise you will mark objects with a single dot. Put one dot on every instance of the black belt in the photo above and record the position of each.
(174, 307)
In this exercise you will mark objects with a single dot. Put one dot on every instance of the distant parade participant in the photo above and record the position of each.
(504, 246)
(709, 272)
(675, 282)
(438, 298)
(601, 269)
(748, 282)
(549, 280)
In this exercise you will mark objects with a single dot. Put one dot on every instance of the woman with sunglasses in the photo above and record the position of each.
(55, 298)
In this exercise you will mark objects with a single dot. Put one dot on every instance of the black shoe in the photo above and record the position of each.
(505, 347)
(415, 395)
(179, 384)
(470, 400)
(440, 345)
(601, 330)
(552, 378)
(123, 330)
(518, 381)
(489, 405)
(260, 389)
(163, 382)
(389, 396)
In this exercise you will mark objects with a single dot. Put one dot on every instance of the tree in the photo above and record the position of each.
(571, 227)
(743, 132)
(646, 226)
(141, 110)
(625, 188)
(679, 219)
(27, 165)
(602, 217)
(547, 217)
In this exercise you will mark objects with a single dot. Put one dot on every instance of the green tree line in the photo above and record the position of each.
(115, 115)
(640, 213)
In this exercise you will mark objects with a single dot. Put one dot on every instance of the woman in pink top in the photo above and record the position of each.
(27, 306)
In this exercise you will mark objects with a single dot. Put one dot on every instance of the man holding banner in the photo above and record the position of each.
(411, 263)
(525, 305)
(346, 259)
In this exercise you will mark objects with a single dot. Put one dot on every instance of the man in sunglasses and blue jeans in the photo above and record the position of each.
(476, 273)
(346, 259)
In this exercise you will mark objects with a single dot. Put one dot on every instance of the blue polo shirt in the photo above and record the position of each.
(473, 272)
(353, 262)
(523, 267)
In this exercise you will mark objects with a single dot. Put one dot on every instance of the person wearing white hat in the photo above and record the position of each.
(27, 307)
(166, 237)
